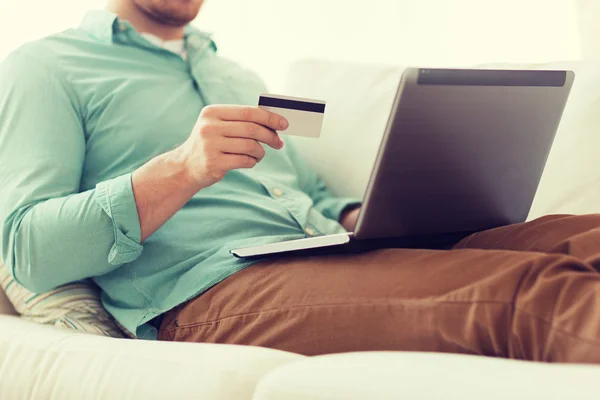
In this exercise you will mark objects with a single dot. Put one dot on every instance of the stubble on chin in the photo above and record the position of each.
(167, 13)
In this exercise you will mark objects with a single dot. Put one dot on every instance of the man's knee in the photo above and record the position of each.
(554, 307)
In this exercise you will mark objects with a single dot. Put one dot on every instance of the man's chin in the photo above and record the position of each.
(172, 13)
(171, 19)
(176, 23)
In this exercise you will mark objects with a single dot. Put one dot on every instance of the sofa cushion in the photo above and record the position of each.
(6, 307)
(429, 376)
(76, 306)
(42, 362)
(359, 98)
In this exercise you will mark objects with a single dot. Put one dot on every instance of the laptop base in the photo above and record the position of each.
(295, 248)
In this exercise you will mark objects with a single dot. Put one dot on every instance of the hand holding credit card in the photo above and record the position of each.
(305, 116)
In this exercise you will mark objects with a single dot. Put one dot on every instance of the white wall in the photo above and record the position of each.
(589, 21)
(25, 20)
(267, 35)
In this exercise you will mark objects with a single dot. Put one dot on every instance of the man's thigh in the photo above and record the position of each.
(453, 301)
(575, 235)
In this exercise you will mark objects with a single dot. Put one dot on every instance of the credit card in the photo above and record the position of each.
(305, 116)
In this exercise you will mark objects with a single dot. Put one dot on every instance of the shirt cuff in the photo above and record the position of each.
(333, 207)
(118, 202)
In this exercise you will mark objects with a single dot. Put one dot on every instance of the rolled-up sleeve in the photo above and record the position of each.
(325, 201)
(52, 233)
(118, 202)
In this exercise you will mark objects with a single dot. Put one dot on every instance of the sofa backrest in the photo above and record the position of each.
(359, 99)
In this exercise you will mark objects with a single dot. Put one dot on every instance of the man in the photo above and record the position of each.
(130, 134)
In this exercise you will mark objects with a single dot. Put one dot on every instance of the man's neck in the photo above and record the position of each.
(143, 23)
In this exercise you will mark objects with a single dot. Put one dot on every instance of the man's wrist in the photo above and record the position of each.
(176, 164)
(347, 210)
(349, 217)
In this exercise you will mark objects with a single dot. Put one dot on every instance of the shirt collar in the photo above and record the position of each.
(196, 38)
(101, 24)
(104, 25)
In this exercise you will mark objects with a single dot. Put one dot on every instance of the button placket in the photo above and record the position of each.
(278, 194)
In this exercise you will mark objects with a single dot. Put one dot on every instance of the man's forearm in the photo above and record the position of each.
(226, 137)
(161, 188)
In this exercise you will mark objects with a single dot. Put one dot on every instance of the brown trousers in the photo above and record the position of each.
(527, 291)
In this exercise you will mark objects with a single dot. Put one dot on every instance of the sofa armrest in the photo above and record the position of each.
(44, 362)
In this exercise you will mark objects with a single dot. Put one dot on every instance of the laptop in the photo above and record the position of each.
(463, 151)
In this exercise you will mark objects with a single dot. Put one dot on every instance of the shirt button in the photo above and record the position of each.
(277, 192)
(122, 27)
(309, 232)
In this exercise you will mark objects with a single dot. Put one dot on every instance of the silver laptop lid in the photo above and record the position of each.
(463, 150)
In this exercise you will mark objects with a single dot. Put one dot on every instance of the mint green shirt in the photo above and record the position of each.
(79, 112)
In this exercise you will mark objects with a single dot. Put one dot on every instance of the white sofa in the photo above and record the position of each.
(38, 362)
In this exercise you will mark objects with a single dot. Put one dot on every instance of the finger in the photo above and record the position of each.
(253, 114)
(250, 130)
(248, 147)
(236, 161)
